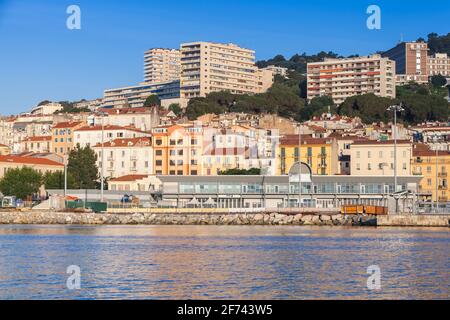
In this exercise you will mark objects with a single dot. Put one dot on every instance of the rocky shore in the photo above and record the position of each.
(73, 218)
(48, 217)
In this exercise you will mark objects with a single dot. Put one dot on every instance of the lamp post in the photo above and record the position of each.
(395, 109)
(300, 167)
(102, 158)
(435, 139)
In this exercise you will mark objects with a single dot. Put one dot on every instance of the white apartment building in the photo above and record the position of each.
(277, 70)
(92, 135)
(142, 118)
(124, 157)
(209, 67)
(37, 144)
(343, 78)
(161, 65)
(439, 64)
(135, 96)
(46, 109)
(376, 158)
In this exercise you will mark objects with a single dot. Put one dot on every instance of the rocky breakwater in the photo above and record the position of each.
(49, 217)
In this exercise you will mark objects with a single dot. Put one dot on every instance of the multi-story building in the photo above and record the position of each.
(161, 65)
(94, 134)
(4, 150)
(209, 67)
(46, 109)
(377, 158)
(411, 61)
(135, 96)
(439, 63)
(277, 70)
(38, 144)
(343, 78)
(41, 165)
(63, 137)
(177, 150)
(319, 153)
(141, 118)
(434, 184)
(127, 156)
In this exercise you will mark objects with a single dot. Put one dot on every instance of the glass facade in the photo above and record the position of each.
(293, 188)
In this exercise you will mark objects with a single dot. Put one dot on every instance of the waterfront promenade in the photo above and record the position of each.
(190, 218)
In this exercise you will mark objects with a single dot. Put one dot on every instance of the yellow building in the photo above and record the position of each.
(63, 137)
(177, 150)
(319, 153)
(424, 163)
(4, 150)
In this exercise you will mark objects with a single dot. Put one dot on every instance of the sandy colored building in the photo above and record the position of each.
(161, 65)
(377, 158)
(38, 144)
(425, 162)
(411, 61)
(209, 67)
(343, 78)
(439, 64)
(125, 157)
(41, 165)
(143, 118)
(319, 153)
(4, 150)
(63, 137)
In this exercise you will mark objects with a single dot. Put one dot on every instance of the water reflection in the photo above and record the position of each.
(198, 262)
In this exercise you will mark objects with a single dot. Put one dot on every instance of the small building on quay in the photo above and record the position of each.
(275, 192)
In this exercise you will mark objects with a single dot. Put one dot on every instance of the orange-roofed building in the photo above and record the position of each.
(134, 182)
(177, 150)
(39, 164)
(38, 144)
(425, 162)
(92, 135)
(127, 156)
(63, 137)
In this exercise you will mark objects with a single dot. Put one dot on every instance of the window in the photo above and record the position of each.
(358, 154)
(159, 142)
(158, 162)
(358, 166)
(380, 154)
(158, 152)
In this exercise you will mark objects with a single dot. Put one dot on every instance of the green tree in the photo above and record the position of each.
(369, 107)
(55, 180)
(82, 167)
(152, 100)
(438, 80)
(21, 182)
(176, 108)
(241, 172)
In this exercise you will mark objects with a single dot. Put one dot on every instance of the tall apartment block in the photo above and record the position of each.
(439, 63)
(411, 60)
(343, 78)
(209, 67)
(161, 65)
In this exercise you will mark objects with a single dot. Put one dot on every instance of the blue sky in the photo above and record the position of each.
(41, 59)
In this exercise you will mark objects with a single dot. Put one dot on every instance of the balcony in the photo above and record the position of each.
(442, 174)
(133, 169)
(443, 199)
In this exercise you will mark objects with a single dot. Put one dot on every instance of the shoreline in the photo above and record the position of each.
(272, 219)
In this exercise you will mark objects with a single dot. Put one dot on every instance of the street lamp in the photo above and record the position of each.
(395, 109)
(435, 138)
(102, 187)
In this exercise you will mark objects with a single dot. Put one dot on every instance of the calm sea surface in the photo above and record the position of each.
(203, 262)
